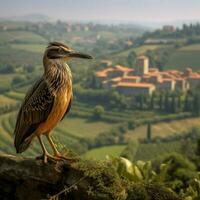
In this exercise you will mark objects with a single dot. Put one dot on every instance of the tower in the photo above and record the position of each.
(142, 65)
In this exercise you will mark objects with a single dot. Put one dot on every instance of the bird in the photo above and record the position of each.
(48, 101)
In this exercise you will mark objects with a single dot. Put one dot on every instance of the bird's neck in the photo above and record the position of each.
(58, 74)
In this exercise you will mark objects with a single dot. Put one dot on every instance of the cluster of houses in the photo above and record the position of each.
(145, 80)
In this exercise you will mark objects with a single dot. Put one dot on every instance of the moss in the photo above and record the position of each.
(105, 182)
(137, 192)
(159, 192)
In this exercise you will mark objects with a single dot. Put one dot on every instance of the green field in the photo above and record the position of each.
(152, 151)
(6, 101)
(5, 80)
(102, 152)
(140, 50)
(183, 59)
(15, 95)
(84, 128)
(192, 47)
(165, 129)
(144, 151)
(38, 48)
(21, 36)
(121, 56)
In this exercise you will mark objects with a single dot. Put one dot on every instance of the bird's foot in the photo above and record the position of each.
(46, 157)
(64, 157)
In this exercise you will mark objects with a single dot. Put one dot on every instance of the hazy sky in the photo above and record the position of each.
(131, 10)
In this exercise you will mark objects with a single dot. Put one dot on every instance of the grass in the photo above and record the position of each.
(38, 48)
(6, 101)
(165, 129)
(151, 151)
(21, 36)
(144, 152)
(5, 80)
(139, 50)
(15, 95)
(192, 47)
(100, 153)
(84, 128)
(19, 57)
(182, 59)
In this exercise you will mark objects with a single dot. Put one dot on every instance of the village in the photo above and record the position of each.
(144, 79)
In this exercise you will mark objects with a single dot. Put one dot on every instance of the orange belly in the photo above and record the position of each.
(61, 103)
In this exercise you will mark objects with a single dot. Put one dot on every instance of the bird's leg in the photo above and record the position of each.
(45, 155)
(57, 154)
(55, 150)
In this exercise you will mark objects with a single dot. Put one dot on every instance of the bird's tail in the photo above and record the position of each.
(22, 146)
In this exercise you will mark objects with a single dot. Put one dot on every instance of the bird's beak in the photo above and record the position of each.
(79, 55)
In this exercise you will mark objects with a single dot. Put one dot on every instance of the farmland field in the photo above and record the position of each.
(141, 49)
(84, 127)
(151, 151)
(38, 48)
(165, 129)
(23, 36)
(192, 47)
(183, 59)
(5, 80)
(100, 153)
(144, 151)
(6, 100)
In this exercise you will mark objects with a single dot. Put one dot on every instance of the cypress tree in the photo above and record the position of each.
(167, 107)
(173, 104)
(149, 133)
(196, 105)
(161, 101)
(186, 103)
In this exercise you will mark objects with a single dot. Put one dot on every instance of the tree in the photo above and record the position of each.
(186, 103)
(98, 111)
(152, 103)
(7, 69)
(167, 107)
(179, 104)
(161, 101)
(196, 105)
(17, 80)
(149, 133)
(131, 59)
(173, 104)
(130, 150)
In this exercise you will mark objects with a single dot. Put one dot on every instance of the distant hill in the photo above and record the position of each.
(29, 18)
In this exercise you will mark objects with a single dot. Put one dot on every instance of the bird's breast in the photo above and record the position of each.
(61, 103)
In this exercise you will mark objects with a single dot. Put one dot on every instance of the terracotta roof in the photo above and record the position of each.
(117, 79)
(122, 68)
(101, 74)
(154, 74)
(167, 80)
(104, 72)
(135, 85)
(194, 77)
(130, 77)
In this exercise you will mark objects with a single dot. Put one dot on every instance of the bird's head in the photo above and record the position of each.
(57, 50)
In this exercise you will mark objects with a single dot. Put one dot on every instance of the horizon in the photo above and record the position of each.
(128, 11)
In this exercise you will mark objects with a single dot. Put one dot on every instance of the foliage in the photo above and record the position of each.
(98, 111)
(130, 151)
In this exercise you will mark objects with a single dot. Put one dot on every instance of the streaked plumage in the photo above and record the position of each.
(47, 102)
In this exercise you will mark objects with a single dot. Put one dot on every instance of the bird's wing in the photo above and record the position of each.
(68, 107)
(35, 109)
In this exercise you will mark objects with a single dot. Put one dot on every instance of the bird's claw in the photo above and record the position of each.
(55, 158)
(47, 157)
(62, 157)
